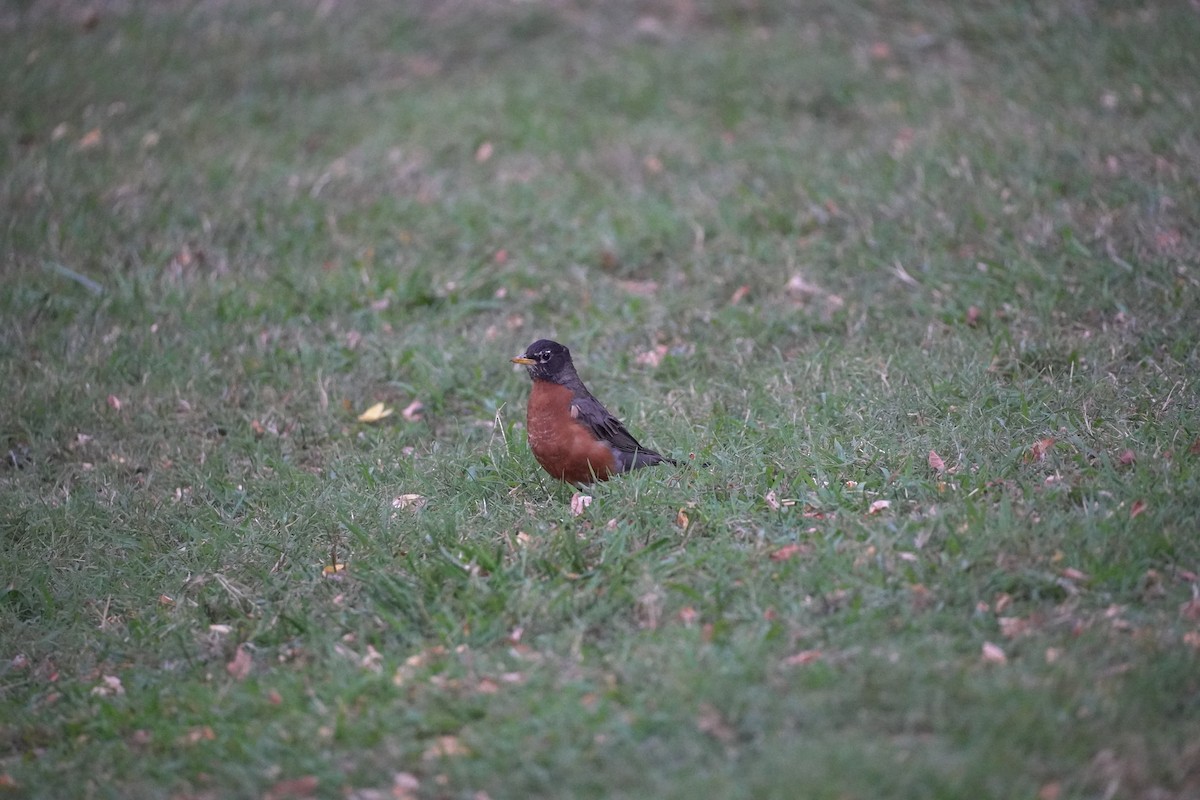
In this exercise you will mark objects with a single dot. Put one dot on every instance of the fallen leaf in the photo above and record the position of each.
(408, 501)
(484, 152)
(1126, 458)
(375, 413)
(681, 519)
(973, 315)
(1072, 574)
(922, 598)
(652, 357)
(739, 294)
(445, 747)
(688, 616)
(109, 686)
(1191, 609)
(1050, 791)
(1012, 627)
(1137, 508)
(710, 721)
(332, 569)
(786, 552)
(405, 786)
(772, 500)
(879, 505)
(239, 666)
(1038, 450)
(993, 654)
(800, 288)
(293, 789)
(91, 139)
(579, 503)
(413, 411)
(114, 402)
(203, 733)
(639, 288)
(936, 463)
(803, 658)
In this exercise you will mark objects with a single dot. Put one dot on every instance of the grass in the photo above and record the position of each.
(856, 234)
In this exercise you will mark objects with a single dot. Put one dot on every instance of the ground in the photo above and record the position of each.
(911, 290)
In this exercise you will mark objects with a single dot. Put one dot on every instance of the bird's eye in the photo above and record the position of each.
(544, 356)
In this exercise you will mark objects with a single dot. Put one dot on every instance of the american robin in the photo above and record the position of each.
(570, 432)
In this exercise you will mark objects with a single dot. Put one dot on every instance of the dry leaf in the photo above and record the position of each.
(405, 786)
(579, 503)
(993, 654)
(681, 519)
(936, 463)
(688, 616)
(879, 505)
(1190, 609)
(1194, 449)
(203, 733)
(408, 501)
(293, 789)
(786, 552)
(973, 315)
(332, 569)
(739, 294)
(1050, 791)
(109, 686)
(772, 500)
(1038, 450)
(1137, 508)
(484, 152)
(1012, 627)
(90, 139)
(239, 667)
(652, 357)
(1072, 574)
(375, 413)
(445, 747)
(1126, 458)
(803, 658)
(710, 721)
(639, 288)
(413, 411)
(114, 402)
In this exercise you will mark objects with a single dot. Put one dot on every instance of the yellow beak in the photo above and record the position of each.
(522, 360)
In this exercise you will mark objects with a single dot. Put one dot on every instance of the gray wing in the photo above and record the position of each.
(630, 454)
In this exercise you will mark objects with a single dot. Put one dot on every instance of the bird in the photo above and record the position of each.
(572, 435)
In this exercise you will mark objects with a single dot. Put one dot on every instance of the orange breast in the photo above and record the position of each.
(564, 447)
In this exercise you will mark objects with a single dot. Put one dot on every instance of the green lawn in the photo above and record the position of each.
(913, 288)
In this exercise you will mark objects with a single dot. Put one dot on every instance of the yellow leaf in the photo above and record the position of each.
(332, 569)
(375, 413)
